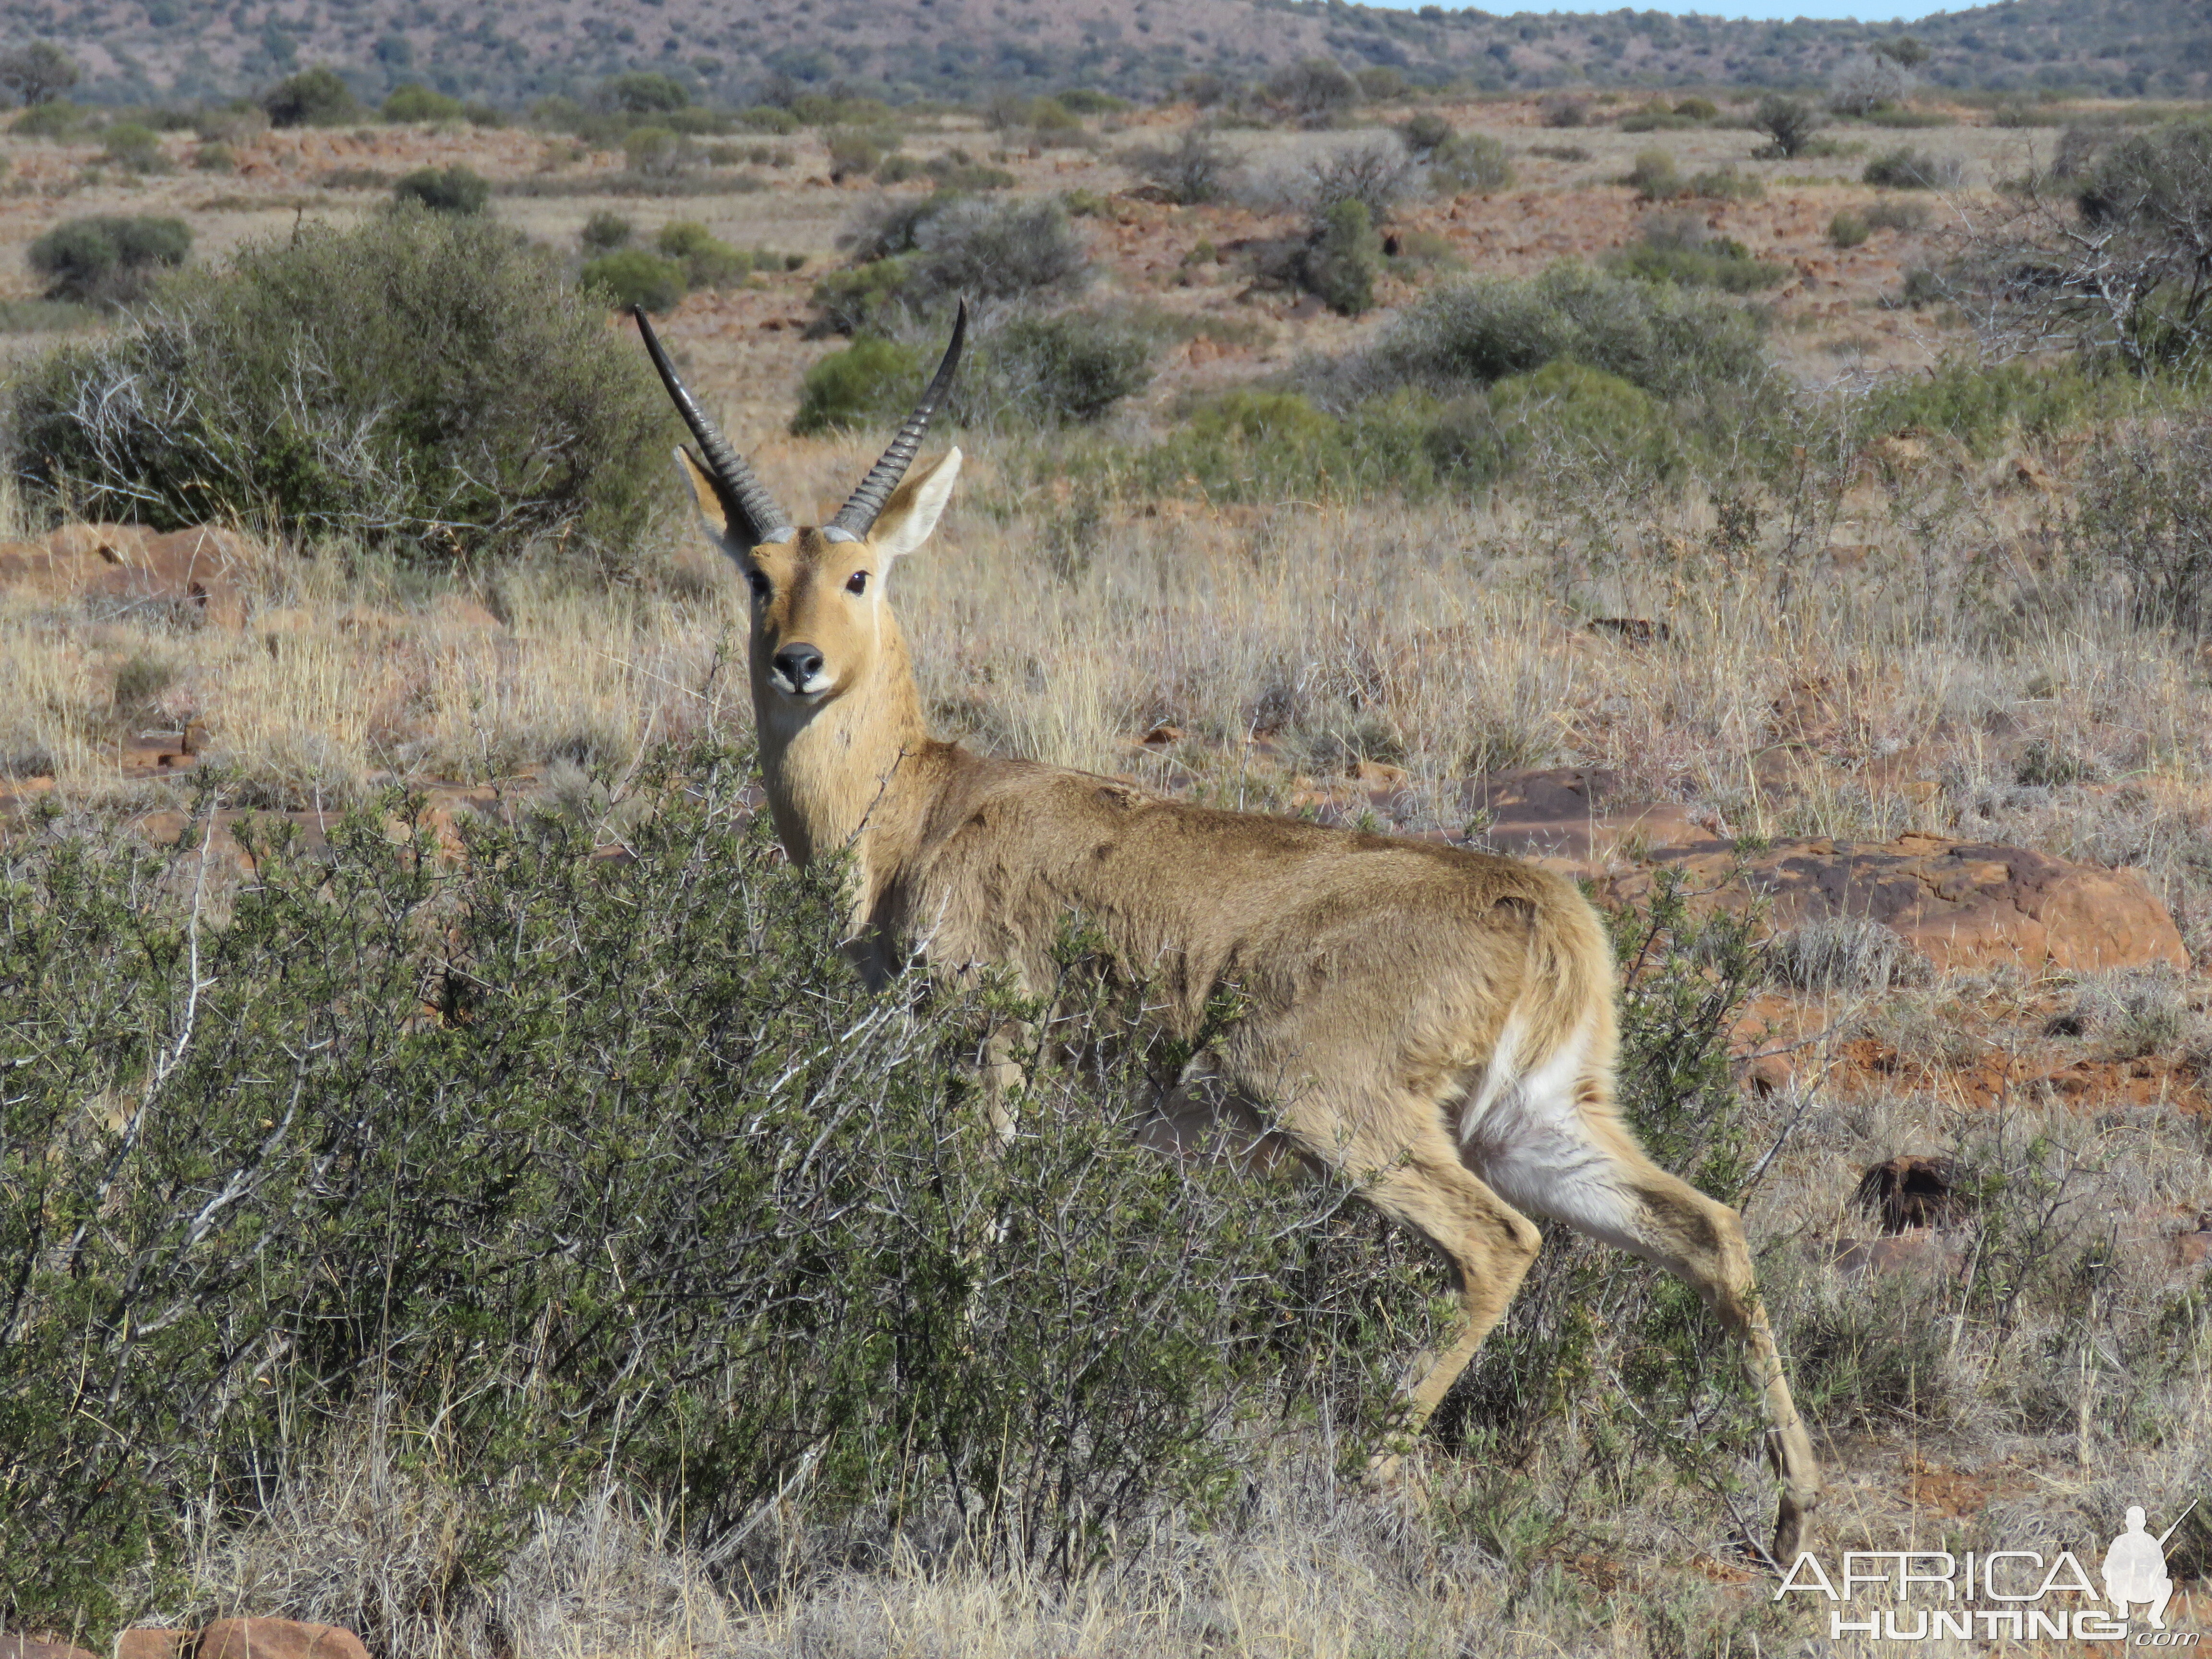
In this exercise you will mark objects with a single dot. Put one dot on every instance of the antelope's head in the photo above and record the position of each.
(820, 624)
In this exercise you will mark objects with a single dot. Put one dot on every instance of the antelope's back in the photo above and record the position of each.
(1196, 898)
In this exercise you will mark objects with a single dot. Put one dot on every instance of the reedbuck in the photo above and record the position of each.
(1436, 1025)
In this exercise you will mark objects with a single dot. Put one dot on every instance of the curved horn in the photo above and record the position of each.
(858, 516)
(752, 512)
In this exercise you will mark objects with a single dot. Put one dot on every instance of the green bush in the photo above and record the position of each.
(658, 152)
(1425, 134)
(1346, 259)
(644, 92)
(1469, 162)
(1089, 100)
(215, 158)
(1654, 177)
(1269, 445)
(2146, 516)
(1055, 371)
(1342, 265)
(598, 1162)
(136, 148)
(917, 257)
(1897, 213)
(410, 103)
(1566, 405)
(57, 119)
(312, 97)
(708, 263)
(767, 117)
(1912, 169)
(631, 276)
(454, 189)
(108, 259)
(1790, 123)
(1676, 249)
(1670, 340)
(871, 382)
(1698, 109)
(1979, 403)
(424, 381)
(852, 153)
(1847, 229)
(860, 297)
(604, 232)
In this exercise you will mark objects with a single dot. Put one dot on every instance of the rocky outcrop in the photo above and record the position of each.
(238, 1638)
(1959, 904)
(195, 571)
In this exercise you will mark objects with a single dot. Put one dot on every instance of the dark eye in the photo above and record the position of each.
(759, 584)
(857, 582)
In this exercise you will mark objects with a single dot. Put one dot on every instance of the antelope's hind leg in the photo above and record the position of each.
(1489, 1244)
(1572, 1160)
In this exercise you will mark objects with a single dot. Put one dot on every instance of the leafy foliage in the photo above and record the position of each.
(426, 382)
(596, 1161)
(1343, 262)
(2146, 516)
(632, 276)
(454, 189)
(312, 97)
(1790, 123)
(1665, 338)
(108, 259)
(914, 258)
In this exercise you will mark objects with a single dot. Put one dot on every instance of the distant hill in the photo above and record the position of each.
(514, 49)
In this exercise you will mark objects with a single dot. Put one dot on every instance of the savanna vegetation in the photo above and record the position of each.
(450, 1184)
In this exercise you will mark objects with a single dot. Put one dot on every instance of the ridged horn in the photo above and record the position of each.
(752, 512)
(858, 516)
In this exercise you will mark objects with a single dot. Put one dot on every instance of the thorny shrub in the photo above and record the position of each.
(426, 382)
(602, 1163)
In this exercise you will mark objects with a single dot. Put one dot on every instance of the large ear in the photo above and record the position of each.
(915, 506)
(703, 492)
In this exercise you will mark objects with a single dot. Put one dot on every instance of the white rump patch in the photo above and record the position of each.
(1522, 1132)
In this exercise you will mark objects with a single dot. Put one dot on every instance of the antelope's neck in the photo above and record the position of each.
(847, 774)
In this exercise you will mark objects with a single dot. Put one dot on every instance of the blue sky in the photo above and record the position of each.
(1881, 12)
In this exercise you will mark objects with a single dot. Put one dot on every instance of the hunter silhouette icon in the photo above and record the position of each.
(2135, 1568)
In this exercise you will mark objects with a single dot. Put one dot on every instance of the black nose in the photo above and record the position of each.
(797, 665)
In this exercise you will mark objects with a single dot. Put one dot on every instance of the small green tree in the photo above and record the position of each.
(134, 147)
(1789, 122)
(314, 98)
(455, 188)
(425, 382)
(862, 384)
(708, 262)
(604, 232)
(37, 73)
(412, 102)
(631, 276)
(1341, 266)
(108, 259)
(644, 92)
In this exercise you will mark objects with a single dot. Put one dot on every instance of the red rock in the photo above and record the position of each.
(1958, 904)
(1769, 1074)
(1379, 774)
(277, 1638)
(110, 541)
(14, 1646)
(149, 1642)
(2192, 1250)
